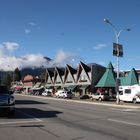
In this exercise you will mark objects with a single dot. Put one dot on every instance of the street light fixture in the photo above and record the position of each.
(117, 35)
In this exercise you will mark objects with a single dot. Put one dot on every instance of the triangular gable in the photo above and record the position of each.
(108, 79)
(50, 76)
(69, 74)
(58, 76)
(86, 67)
(49, 81)
(82, 75)
(131, 79)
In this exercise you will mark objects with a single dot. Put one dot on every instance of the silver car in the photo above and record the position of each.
(7, 102)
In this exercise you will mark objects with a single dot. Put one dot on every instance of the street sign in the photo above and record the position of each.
(117, 50)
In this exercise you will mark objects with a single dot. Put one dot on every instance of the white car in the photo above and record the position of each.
(47, 92)
(64, 94)
(100, 96)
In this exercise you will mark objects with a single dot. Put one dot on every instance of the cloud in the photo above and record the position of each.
(7, 48)
(100, 46)
(62, 57)
(10, 46)
(10, 62)
(27, 31)
(31, 27)
(32, 24)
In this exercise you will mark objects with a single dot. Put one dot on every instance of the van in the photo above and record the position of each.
(129, 93)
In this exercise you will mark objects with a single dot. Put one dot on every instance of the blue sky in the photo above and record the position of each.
(68, 31)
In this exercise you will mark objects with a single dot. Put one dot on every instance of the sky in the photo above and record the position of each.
(68, 31)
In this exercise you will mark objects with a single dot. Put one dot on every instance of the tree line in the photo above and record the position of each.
(11, 77)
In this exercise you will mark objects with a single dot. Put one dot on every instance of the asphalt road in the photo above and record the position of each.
(51, 119)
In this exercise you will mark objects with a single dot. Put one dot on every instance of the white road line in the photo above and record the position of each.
(34, 120)
(30, 116)
(19, 122)
(126, 110)
(124, 122)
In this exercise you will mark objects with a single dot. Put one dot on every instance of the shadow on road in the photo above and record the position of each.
(33, 110)
(24, 102)
(29, 113)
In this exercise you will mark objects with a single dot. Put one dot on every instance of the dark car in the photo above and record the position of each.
(7, 102)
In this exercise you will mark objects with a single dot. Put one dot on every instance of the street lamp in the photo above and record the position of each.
(117, 35)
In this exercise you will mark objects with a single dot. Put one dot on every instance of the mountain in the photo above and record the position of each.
(32, 71)
(35, 71)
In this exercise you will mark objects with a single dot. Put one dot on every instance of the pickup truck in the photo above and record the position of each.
(7, 102)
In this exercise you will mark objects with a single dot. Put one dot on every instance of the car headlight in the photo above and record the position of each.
(11, 100)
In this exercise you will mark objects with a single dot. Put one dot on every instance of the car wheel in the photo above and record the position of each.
(134, 101)
(100, 99)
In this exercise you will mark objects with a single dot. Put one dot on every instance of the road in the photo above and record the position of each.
(51, 119)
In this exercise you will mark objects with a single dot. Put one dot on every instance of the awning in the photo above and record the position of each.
(18, 87)
(38, 84)
(37, 88)
(84, 87)
(70, 87)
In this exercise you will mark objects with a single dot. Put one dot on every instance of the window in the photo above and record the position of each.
(83, 78)
(127, 91)
(121, 92)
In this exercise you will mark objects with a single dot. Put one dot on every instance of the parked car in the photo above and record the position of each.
(100, 96)
(58, 92)
(64, 94)
(7, 101)
(47, 92)
(85, 96)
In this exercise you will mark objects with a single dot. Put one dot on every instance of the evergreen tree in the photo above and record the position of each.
(7, 81)
(17, 75)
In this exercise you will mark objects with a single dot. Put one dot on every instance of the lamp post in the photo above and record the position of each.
(117, 35)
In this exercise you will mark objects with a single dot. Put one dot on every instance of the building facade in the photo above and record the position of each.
(83, 78)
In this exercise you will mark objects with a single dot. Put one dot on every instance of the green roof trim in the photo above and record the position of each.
(131, 79)
(108, 79)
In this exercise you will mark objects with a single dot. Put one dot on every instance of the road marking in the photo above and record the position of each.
(20, 122)
(30, 116)
(34, 120)
(126, 110)
(124, 122)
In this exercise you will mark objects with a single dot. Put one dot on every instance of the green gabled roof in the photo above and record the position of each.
(110, 66)
(131, 79)
(108, 79)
